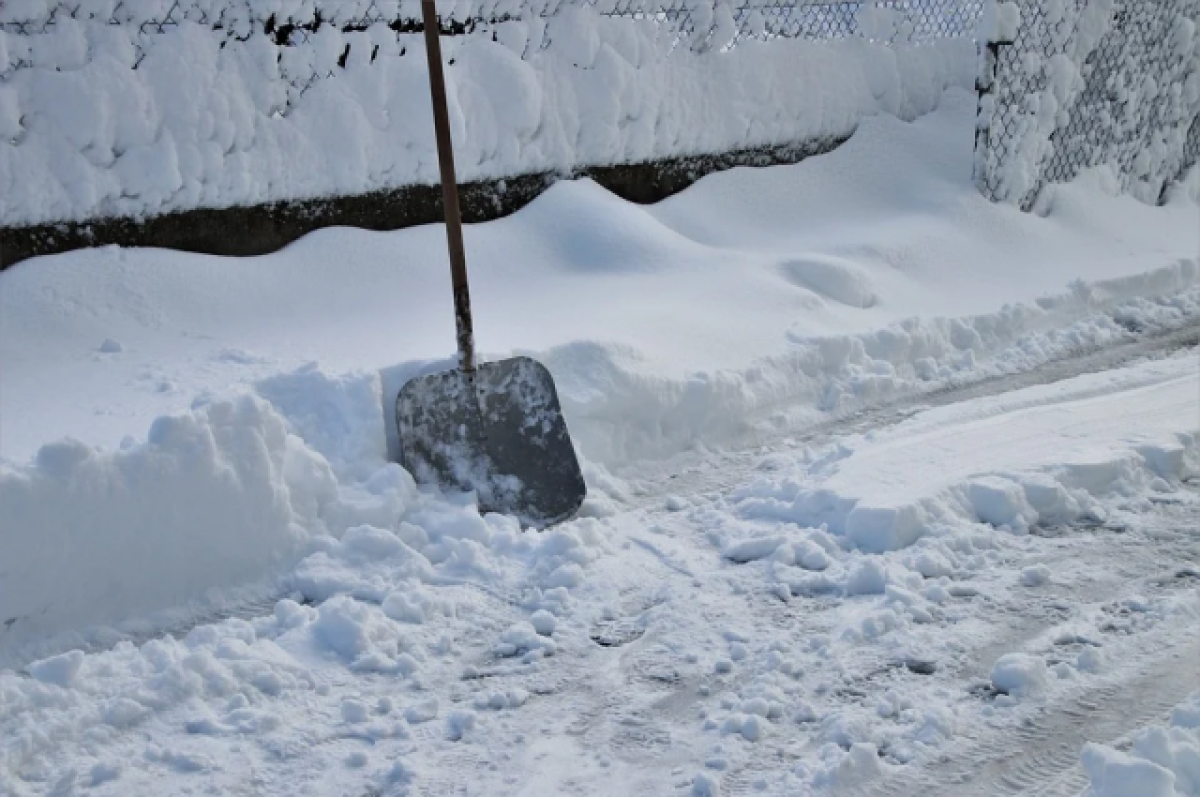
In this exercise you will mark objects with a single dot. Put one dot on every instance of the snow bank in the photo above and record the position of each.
(655, 322)
(84, 135)
(228, 495)
(397, 599)
(621, 410)
(1162, 762)
(788, 293)
(212, 499)
(981, 470)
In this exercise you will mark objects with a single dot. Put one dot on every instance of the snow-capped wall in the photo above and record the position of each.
(141, 107)
(1091, 83)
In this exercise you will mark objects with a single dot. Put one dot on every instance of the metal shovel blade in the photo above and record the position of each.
(500, 432)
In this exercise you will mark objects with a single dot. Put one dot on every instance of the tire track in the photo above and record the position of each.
(1040, 756)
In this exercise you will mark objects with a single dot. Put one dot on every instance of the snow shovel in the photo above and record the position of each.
(495, 428)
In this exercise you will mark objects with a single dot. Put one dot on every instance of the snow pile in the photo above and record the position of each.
(620, 411)
(709, 319)
(228, 495)
(1162, 762)
(982, 470)
(757, 299)
(85, 135)
(396, 602)
(212, 499)
(429, 646)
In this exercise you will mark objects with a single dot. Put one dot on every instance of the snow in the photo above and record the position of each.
(1034, 114)
(1035, 576)
(691, 329)
(1019, 674)
(83, 135)
(211, 499)
(1013, 470)
(1164, 760)
(999, 22)
(790, 599)
(60, 670)
(396, 697)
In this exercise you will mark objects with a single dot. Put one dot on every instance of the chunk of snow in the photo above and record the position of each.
(354, 711)
(1034, 576)
(422, 712)
(1115, 774)
(751, 549)
(867, 576)
(543, 622)
(705, 785)
(458, 722)
(60, 670)
(1019, 674)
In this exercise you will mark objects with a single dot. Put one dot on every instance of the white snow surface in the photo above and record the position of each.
(854, 276)
(207, 120)
(1022, 467)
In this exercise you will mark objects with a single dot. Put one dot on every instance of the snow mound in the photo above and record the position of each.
(1163, 761)
(834, 278)
(1019, 674)
(213, 498)
(979, 469)
(621, 407)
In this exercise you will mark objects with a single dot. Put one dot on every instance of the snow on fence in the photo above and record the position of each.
(1075, 84)
(304, 113)
(137, 108)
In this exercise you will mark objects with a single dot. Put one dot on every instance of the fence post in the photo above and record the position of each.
(985, 90)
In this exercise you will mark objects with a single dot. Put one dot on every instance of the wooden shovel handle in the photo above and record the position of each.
(454, 238)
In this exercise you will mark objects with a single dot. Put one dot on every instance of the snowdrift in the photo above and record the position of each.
(750, 305)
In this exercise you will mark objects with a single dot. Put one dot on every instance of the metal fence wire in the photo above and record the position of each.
(291, 25)
(1084, 83)
(1062, 99)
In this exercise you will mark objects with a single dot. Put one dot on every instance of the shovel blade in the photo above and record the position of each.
(499, 432)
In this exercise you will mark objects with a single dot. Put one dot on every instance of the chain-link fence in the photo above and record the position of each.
(371, 28)
(1089, 83)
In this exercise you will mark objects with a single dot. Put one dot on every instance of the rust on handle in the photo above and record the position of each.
(454, 238)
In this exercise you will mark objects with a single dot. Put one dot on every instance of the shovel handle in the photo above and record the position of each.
(454, 237)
